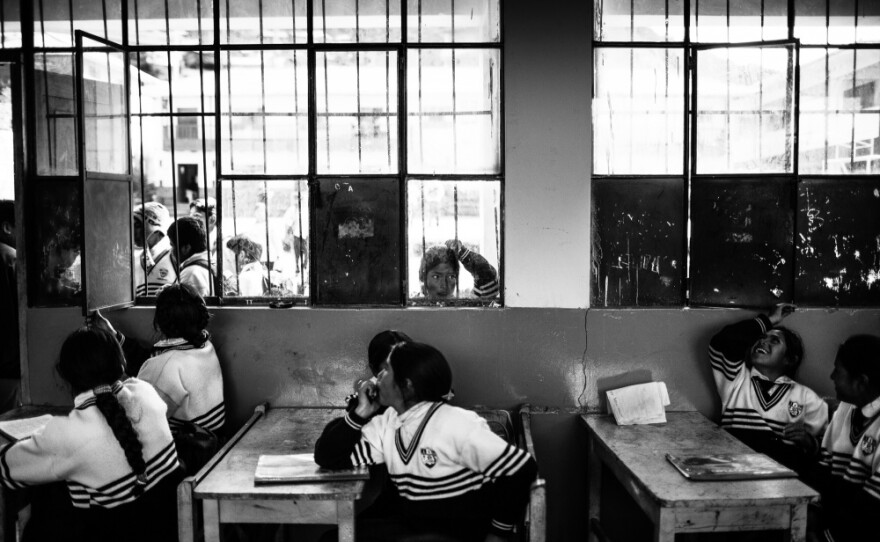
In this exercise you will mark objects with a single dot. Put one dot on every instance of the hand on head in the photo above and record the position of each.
(368, 403)
(780, 312)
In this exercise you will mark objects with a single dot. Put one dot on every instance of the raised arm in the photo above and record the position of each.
(485, 275)
(342, 444)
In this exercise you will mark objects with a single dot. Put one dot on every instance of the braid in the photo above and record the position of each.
(124, 433)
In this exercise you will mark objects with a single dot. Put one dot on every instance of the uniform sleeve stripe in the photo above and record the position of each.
(351, 423)
(5, 474)
(502, 526)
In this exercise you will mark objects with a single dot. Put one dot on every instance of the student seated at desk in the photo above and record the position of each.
(114, 451)
(185, 369)
(753, 363)
(377, 353)
(848, 475)
(456, 479)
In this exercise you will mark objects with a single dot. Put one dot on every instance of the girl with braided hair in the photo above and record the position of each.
(114, 452)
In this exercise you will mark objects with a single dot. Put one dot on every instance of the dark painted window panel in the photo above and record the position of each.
(357, 240)
(742, 241)
(54, 243)
(638, 254)
(838, 242)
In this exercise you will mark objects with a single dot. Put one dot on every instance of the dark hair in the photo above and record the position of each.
(433, 257)
(860, 355)
(425, 367)
(7, 212)
(243, 243)
(92, 359)
(189, 230)
(794, 350)
(381, 346)
(181, 312)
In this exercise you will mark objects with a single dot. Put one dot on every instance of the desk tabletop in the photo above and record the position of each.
(279, 431)
(640, 451)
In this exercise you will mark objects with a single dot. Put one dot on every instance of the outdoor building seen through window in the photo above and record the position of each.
(295, 135)
(736, 148)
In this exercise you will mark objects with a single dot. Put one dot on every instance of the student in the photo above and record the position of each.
(438, 272)
(253, 279)
(753, 363)
(190, 254)
(455, 478)
(154, 268)
(114, 451)
(377, 353)
(849, 468)
(184, 368)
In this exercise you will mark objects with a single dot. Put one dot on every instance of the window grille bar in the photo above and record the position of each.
(790, 99)
(50, 147)
(140, 131)
(761, 109)
(104, 15)
(296, 101)
(454, 107)
(852, 145)
(421, 112)
(388, 94)
(631, 120)
(72, 38)
(326, 85)
(3, 24)
(263, 101)
(300, 260)
(172, 135)
(632, 19)
(424, 242)
(358, 130)
(826, 114)
(727, 98)
(229, 96)
(204, 137)
(455, 208)
(235, 233)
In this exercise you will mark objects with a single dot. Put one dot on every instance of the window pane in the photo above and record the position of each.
(262, 21)
(357, 112)
(842, 21)
(838, 227)
(174, 22)
(55, 243)
(715, 21)
(453, 121)
(7, 135)
(741, 243)
(10, 24)
(264, 105)
(868, 23)
(744, 110)
(839, 125)
(639, 20)
(359, 242)
(265, 238)
(55, 114)
(637, 111)
(438, 214)
(811, 21)
(357, 21)
(638, 235)
(52, 20)
(453, 21)
(106, 138)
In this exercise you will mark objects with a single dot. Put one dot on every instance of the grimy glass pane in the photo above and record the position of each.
(811, 21)
(358, 242)
(840, 123)
(438, 214)
(357, 112)
(357, 21)
(462, 21)
(638, 242)
(171, 22)
(264, 107)
(54, 25)
(265, 238)
(745, 110)
(10, 24)
(742, 242)
(637, 111)
(262, 21)
(838, 225)
(721, 21)
(106, 138)
(868, 23)
(54, 244)
(453, 106)
(55, 108)
(842, 21)
(638, 20)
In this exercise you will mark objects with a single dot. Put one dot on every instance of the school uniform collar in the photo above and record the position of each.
(784, 379)
(871, 409)
(194, 258)
(89, 395)
(414, 413)
(170, 343)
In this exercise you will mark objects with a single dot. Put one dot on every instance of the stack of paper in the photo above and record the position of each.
(274, 469)
(642, 403)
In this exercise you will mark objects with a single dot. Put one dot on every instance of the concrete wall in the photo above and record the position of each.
(545, 347)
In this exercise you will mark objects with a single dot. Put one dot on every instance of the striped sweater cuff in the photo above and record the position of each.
(500, 528)
(765, 323)
(354, 421)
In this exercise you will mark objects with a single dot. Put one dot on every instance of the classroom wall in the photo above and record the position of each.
(545, 347)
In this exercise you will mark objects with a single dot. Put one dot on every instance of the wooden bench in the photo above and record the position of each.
(533, 528)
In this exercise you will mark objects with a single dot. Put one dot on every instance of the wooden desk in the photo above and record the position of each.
(228, 494)
(636, 455)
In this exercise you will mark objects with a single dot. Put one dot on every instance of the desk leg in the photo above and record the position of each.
(798, 531)
(211, 515)
(594, 474)
(345, 518)
(664, 527)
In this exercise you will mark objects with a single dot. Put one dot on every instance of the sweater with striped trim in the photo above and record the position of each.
(755, 409)
(444, 461)
(81, 450)
(849, 473)
(190, 382)
(154, 269)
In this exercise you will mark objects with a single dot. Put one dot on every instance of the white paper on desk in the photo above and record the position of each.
(25, 427)
(639, 404)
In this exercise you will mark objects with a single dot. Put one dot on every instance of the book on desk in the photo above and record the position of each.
(293, 468)
(753, 466)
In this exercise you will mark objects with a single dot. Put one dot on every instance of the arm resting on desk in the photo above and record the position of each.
(336, 447)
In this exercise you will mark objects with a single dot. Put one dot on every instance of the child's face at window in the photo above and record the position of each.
(769, 351)
(440, 281)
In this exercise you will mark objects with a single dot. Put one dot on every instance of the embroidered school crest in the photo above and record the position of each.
(795, 409)
(429, 457)
(869, 444)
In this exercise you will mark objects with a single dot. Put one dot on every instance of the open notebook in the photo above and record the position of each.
(24, 427)
(729, 467)
(279, 469)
